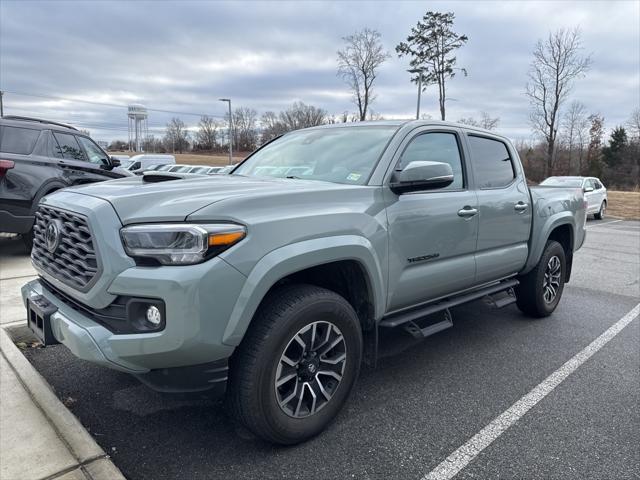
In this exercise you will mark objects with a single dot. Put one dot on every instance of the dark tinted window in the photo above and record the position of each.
(93, 151)
(597, 184)
(492, 162)
(18, 140)
(68, 146)
(436, 147)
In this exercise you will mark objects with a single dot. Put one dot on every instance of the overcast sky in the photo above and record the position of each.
(183, 56)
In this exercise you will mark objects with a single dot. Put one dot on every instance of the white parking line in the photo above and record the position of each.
(459, 459)
(603, 224)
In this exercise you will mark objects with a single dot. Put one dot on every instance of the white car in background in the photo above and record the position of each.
(595, 193)
(143, 162)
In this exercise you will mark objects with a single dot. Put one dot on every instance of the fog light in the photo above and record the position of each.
(154, 317)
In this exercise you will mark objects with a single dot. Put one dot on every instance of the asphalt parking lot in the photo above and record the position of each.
(424, 401)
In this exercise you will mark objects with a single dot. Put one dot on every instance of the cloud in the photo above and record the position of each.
(183, 56)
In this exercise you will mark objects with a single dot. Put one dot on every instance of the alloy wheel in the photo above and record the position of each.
(310, 369)
(551, 283)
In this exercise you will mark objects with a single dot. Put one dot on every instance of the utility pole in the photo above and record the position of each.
(228, 100)
(419, 71)
(1, 105)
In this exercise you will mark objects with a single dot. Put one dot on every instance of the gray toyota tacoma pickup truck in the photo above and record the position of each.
(273, 283)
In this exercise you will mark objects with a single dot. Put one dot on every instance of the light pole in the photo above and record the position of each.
(419, 71)
(228, 100)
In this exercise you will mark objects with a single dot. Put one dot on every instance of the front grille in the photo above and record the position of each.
(70, 255)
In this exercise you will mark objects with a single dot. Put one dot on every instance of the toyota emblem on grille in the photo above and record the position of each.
(52, 235)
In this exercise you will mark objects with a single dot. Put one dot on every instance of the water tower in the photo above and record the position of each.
(138, 126)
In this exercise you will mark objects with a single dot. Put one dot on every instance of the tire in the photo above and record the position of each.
(254, 398)
(27, 240)
(600, 214)
(532, 295)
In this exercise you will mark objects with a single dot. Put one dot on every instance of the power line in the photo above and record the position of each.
(105, 104)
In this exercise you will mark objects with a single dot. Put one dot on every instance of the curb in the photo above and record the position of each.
(90, 456)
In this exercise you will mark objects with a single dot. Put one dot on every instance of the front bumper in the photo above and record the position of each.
(187, 355)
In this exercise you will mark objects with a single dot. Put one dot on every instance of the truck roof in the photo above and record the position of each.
(404, 123)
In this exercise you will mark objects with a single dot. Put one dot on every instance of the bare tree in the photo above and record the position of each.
(358, 62)
(486, 121)
(431, 46)
(207, 135)
(300, 115)
(594, 153)
(245, 133)
(176, 136)
(295, 117)
(272, 126)
(557, 63)
(633, 124)
(575, 127)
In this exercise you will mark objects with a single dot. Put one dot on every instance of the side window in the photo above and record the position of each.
(94, 152)
(135, 166)
(435, 147)
(492, 163)
(18, 140)
(588, 183)
(597, 184)
(68, 147)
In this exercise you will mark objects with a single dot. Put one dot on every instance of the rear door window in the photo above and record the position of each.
(18, 140)
(68, 147)
(491, 162)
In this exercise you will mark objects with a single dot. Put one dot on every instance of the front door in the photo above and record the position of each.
(505, 208)
(432, 234)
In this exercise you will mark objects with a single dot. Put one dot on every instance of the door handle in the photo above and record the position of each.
(467, 212)
(520, 207)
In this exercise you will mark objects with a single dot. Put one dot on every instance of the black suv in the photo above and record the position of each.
(38, 157)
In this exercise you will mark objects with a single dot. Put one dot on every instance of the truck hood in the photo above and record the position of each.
(138, 201)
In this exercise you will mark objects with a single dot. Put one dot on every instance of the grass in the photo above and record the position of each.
(624, 205)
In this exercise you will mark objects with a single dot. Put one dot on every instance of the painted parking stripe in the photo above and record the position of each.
(603, 224)
(459, 459)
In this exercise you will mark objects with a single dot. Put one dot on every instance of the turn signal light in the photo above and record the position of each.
(225, 239)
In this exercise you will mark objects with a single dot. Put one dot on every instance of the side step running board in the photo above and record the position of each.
(413, 315)
(417, 331)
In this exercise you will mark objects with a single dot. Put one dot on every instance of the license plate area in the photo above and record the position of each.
(39, 311)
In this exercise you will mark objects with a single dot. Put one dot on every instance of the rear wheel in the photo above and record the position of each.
(600, 214)
(540, 290)
(296, 365)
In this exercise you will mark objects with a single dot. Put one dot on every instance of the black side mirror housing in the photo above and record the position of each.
(419, 176)
(114, 162)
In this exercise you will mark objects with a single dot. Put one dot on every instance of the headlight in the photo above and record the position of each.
(180, 243)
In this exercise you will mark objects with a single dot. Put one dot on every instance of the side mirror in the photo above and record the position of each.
(421, 176)
(588, 189)
(115, 162)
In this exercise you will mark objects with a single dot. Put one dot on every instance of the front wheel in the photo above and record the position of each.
(296, 365)
(601, 212)
(540, 290)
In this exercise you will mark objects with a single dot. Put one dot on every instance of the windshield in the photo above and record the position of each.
(562, 182)
(339, 155)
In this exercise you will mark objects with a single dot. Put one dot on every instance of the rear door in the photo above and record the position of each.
(432, 234)
(504, 203)
(78, 164)
(591, 195)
